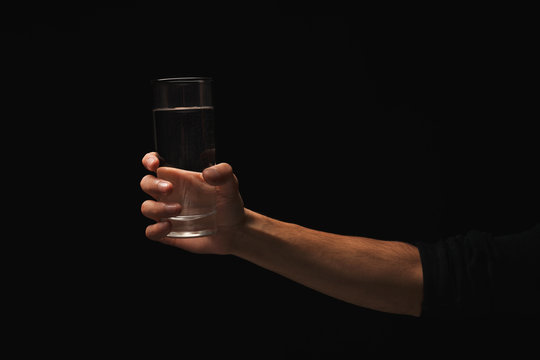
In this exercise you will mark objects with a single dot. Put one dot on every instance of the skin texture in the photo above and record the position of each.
(376, 274)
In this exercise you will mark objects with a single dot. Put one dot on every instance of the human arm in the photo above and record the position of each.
(380, 275)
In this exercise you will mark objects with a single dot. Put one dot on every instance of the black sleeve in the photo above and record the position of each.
(479, 274)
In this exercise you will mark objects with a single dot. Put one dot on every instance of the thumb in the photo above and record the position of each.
(222, 175)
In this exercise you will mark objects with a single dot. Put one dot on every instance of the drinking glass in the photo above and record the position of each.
(184, 140)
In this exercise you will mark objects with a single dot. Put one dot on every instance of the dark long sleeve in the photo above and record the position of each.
(480, 274)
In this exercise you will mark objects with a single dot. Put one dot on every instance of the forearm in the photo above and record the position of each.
(380, 275)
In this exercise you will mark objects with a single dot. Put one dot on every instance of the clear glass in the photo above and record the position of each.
(184, 140)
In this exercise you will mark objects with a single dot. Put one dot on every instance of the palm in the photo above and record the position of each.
(191, 190)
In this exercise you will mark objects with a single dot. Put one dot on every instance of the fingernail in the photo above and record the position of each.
(151, 161)
(163, 186)
(173, 208)
(212, 172)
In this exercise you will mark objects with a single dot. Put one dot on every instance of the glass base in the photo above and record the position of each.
(189, 226)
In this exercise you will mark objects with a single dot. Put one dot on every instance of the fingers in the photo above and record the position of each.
(151, 161)
(155, 187)
(158, 231)
(158, 210)
(222, 175)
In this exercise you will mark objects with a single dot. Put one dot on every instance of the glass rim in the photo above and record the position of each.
(184, 79)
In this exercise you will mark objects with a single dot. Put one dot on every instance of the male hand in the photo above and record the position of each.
(230, 215)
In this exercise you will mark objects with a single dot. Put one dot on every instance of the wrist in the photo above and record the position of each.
(261, 237)
(241, 236)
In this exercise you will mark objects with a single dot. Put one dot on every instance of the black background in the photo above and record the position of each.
(400, 125)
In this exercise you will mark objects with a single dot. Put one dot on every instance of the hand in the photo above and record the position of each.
(230, 215)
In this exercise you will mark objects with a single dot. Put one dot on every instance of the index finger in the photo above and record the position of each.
(151, 161)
